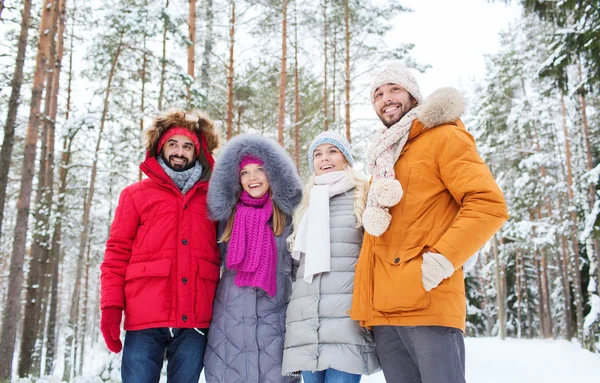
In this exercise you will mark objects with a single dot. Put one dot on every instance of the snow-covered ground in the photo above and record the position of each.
(491, 360)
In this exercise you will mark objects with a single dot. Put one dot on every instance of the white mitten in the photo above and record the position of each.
(435, 269)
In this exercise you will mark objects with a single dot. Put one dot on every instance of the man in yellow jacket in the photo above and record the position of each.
(433, 203)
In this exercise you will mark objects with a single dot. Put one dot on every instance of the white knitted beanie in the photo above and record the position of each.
(396, 73)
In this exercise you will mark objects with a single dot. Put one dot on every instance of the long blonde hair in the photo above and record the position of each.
(278, 221)
(361, 189)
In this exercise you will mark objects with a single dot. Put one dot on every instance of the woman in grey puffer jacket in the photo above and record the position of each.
(321, 340)
(253, 190)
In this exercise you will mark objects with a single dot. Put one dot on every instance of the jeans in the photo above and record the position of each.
(420, 354)
(144, 351)
(330, 376)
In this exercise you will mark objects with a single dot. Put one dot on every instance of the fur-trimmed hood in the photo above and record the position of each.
(195, 121)
(443, 106)
(224, 187)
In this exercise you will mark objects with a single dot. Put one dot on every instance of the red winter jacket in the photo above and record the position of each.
(161, 263)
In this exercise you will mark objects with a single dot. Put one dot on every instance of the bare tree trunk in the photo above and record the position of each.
(12, 307)
(85, 224)
(13, 105)
(333, 69)
(32, 339)
(347, 79)
(591, 244)
(538, 281)
(499, 294)
(84, 309)
(229, 122)
(325, 107)
(528, 309)
(283, 76)
(518, 274)
(55, 251)
(296, 94)
(142, 106)
(163, 62)
(562, 265)
(191, 51)
(208, 44)
(546, 294)
(575, 258)
(2, 8)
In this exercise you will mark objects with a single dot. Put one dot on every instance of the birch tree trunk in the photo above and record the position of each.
(12, 307)
(13, 105)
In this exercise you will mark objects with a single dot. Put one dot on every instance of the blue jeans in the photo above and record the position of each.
(144, 351)
(330, 376)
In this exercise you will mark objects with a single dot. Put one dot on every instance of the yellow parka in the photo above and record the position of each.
(451, 205)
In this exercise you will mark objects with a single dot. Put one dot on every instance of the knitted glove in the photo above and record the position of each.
(110, 325)
(435, 269)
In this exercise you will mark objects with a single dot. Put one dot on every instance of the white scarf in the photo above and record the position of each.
(313, 234)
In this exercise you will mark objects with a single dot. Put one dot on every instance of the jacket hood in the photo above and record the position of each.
(443, 106)
(195, 121)
(225, 188)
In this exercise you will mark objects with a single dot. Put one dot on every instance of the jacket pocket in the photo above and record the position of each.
(397, 280)
(146, 292)
(207, 278)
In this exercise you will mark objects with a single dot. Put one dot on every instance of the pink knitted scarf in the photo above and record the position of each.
(252, 250)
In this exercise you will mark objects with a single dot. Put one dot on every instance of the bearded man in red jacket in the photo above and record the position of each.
(161, 264)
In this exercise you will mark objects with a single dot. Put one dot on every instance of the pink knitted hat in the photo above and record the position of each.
(250, 160)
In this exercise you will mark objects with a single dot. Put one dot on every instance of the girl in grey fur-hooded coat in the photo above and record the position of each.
(245, 341)
(321, 340)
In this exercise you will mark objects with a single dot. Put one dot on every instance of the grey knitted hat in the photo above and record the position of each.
(396, 73)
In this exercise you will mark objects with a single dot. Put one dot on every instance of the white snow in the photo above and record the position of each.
(491, 360)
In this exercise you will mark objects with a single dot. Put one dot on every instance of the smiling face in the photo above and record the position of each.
(328, 158)
(178, 153)
(392, 102)
(253, 178)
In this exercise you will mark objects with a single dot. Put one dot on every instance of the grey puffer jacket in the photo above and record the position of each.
(245, 339)
(319, 331)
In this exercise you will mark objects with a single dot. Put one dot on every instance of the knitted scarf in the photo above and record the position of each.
(313, 238)
(252, 250)
(184, 180)
(386, 190)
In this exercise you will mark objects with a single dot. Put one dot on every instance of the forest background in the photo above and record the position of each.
(80, 80)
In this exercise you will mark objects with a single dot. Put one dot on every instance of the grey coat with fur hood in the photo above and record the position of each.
(245, 341)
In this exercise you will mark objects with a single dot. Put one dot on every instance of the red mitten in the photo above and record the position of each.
(110, 325)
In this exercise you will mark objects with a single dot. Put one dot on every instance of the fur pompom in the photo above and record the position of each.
(387, 192)
(376, 221)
